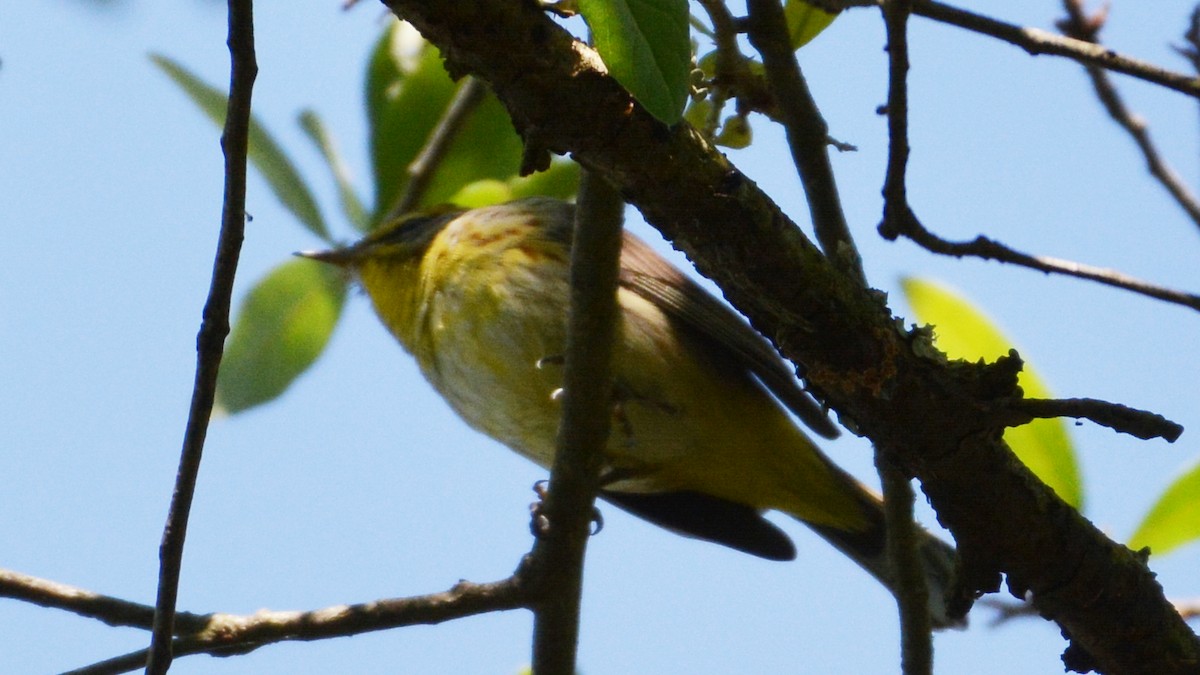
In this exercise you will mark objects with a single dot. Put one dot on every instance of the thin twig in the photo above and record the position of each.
(106, 608)
(214, 327)
(1086, 28)
(1036, 41)
(1191, 52)
(912, 593)
(587, 411)
(1140, 423)
(1007, 611)
(423, 167)
(807, 133)
(989, 249)
(1188, 609)
(227, 634)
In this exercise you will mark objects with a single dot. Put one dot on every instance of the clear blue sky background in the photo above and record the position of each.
(360, 484)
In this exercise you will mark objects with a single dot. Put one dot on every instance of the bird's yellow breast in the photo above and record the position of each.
(484, 310)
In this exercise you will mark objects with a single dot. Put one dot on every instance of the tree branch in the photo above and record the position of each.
(1081, 27)
(912, 593)
(586, 413)
(229, 634)
(421, 170)
(933, 414)
(1037, 41)
(214, 327)
(983, 247)
(807, 134)
(1140, 423)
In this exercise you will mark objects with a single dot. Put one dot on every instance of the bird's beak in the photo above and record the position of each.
(342, 257)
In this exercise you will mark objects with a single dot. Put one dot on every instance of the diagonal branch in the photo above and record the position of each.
(1004, 519)
(990, 249)
(807, 134)
(214, 327)
(422, 169)
(1037, 41)
(1081, 27)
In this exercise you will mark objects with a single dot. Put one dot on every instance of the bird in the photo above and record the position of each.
(704, 438)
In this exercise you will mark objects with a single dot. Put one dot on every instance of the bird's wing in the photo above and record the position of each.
(649, 275)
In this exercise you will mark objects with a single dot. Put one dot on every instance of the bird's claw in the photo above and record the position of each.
(539, 524)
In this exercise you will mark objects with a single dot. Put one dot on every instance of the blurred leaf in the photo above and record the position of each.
(735, 133)
(352, 206)
(697, 113)
(805, 21)
(482, 193)
(963, 332)
(408, 90)
(264, 153)
(646, 46)
(281, 328)
(561, 180)
(1175, 519)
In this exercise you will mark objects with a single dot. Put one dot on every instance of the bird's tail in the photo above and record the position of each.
(868, 548)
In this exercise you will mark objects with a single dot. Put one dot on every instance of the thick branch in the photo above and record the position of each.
(933, 414)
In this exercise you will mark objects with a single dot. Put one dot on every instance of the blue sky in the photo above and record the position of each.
(360, 483)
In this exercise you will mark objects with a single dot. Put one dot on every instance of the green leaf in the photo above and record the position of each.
(735, 133)
(281, 328)
(482, 193)
(805, 21)
(407, 93)
(561, 180)
(352, 206)
(1175, 519)
(264, 153)
(963, 332)
(646, 46)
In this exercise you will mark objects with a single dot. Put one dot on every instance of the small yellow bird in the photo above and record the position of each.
(698, 445)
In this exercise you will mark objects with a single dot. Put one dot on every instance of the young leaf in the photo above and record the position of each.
(964, 332)
(352, 206)
(281, 328)
(646, 46)
(804, 21)
(264, 153)
(1175, 519)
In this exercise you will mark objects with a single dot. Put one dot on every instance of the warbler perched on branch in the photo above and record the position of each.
(701, 443)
